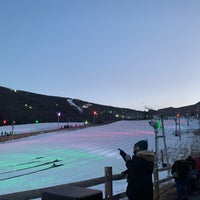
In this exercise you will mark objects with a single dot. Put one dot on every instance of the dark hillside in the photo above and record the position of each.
(187, 111)
(25, 107)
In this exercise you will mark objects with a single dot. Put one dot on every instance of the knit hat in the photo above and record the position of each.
(142, 144)
(180, 157)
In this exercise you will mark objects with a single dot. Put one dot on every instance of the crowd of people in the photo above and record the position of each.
(186, 173)
(5, 133)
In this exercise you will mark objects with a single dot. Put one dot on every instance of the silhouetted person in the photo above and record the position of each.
(139, 170)
(180, 170)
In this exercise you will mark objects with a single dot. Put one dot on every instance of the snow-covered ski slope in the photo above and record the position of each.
(81, 154)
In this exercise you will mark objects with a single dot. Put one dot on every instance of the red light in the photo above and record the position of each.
(95, 113)
(4, 121)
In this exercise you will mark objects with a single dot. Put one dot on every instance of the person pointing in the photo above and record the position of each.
(139, 170)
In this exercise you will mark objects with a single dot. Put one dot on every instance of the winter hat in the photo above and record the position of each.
(142, 144)
(180, 157)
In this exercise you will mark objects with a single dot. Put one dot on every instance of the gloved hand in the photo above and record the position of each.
(124, 155)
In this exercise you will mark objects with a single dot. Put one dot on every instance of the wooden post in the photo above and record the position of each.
(156, 182)
(162, 156)
(108, 183)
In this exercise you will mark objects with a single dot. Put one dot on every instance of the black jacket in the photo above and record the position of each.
(140, 169)
(182, 168)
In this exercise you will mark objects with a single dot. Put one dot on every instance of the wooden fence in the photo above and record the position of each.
(107, 180)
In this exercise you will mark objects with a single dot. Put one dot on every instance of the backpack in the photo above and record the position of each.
(197, 163)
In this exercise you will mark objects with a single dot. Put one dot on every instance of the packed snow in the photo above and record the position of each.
(82, 154)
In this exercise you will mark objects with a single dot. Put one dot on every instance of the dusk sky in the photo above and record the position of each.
(134, 54)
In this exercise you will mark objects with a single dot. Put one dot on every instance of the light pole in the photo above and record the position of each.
(178, 126)
(13, 123)
(58, 114)
(94, 116)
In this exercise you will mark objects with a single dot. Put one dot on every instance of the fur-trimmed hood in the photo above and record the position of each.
(146, 155)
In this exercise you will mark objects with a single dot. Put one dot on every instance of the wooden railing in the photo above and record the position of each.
(158, 189)
(107, 180)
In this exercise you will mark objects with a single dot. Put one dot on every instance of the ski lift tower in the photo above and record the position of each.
(158, 125)
(159, 131)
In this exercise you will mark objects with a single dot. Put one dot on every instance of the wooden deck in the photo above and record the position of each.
(195, 196)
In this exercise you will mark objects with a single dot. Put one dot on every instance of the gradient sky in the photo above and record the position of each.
(127, 53)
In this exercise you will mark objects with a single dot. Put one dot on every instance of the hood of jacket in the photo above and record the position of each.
(146, 155)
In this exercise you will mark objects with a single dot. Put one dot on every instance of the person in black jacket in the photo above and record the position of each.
(139, 170)
(180, 170)
(193, 175)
